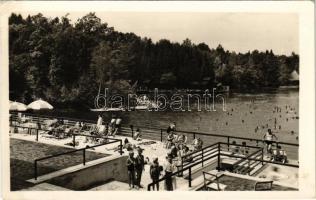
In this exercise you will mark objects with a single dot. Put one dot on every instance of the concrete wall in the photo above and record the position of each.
(82, 179)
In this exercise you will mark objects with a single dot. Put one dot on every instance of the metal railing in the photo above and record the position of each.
(220, 152)
(76, 150)
(244, 165)
(180, 171)
(160, 134)
(200, 155)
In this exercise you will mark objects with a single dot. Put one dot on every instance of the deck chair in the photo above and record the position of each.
(211, 182)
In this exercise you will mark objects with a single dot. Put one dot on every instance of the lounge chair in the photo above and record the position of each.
(211, 182)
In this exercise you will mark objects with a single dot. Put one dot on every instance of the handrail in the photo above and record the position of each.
(177, 172)
(233, 137)
(76, 150)
(261, 160)
(160, 131)
(194, 152)
(219, 153)
(246, 158)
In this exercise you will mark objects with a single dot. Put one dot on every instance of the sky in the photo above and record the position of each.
(239, 32)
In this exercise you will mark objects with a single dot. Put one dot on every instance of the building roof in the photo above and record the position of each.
(294, 76)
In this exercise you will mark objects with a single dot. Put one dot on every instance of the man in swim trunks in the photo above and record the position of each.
(268, 139)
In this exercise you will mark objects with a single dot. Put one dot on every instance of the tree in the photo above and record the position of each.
(65, 62)
(110, 64)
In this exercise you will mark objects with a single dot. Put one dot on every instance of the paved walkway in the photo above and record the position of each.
(151, 151)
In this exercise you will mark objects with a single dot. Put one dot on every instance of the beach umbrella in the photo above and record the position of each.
(39, 105)
(16, 106)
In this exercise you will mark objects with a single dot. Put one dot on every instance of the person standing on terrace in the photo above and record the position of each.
(100, 121)
(139, 166)
(268, 139)
(155, 170)
(130, 163)
(169, 169)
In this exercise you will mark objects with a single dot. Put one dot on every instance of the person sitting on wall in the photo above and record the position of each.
(279, 155)
(127, 145)
(170, 138)
(186, 152)
(181, 141)
(197, 144)
(171, 128)
(137, 135)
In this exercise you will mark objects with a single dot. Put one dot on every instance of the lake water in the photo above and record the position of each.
(246, 115)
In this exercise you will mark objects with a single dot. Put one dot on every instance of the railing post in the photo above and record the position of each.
(181, 166)
(35, 169)
(84, 156)
(202, 158)
(228, 142)
(261, 156)
(160, 135)
(190, 178)
(219, 158)
(121, 146)
(74, 140)
(248, 167)
(36, 134)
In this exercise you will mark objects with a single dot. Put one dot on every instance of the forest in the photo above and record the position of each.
(65, 62)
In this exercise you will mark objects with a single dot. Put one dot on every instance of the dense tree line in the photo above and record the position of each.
(66, 62)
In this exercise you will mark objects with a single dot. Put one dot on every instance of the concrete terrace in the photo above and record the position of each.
(153, 150)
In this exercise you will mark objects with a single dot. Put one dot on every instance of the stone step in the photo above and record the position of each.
(111, 186)
(46, 187)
